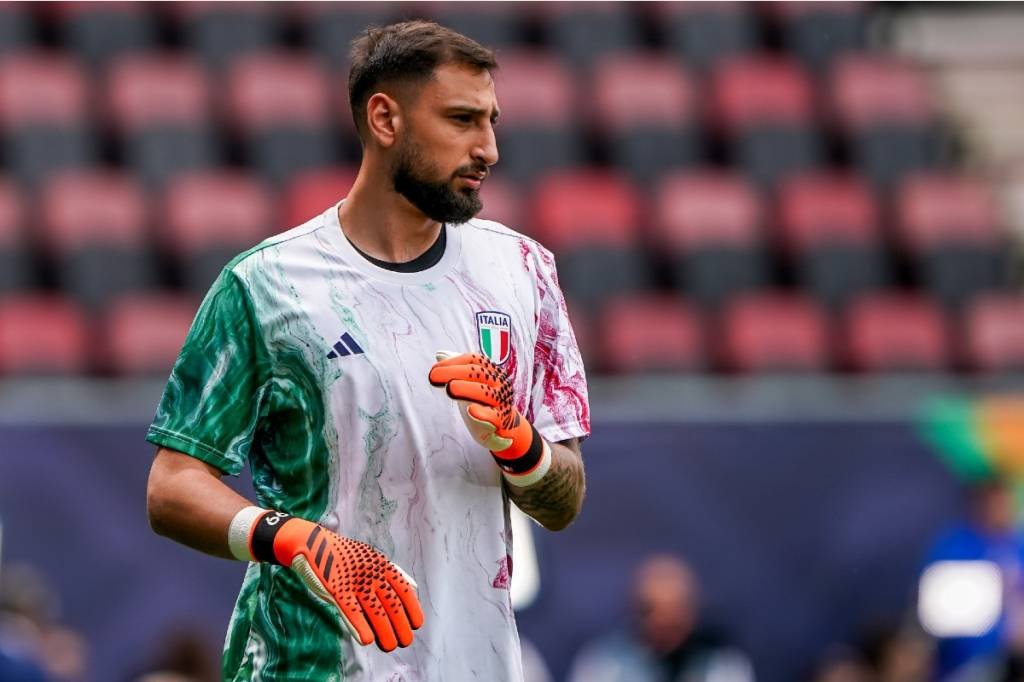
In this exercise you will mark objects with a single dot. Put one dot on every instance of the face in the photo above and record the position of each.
(666, 604)
(442, 156)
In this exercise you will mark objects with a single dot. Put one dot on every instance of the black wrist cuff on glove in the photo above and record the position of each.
(528, 460)
(263, 536)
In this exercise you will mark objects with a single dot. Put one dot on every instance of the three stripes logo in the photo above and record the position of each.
(346, 345)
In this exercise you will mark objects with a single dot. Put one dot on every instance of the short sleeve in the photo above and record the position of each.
(211, 404)
(559, 407)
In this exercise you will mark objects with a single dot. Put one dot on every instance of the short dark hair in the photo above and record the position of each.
(406, 53)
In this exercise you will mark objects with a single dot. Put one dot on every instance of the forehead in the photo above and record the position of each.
(459, 84)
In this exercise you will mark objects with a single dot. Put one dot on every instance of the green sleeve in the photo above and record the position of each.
(210, 407)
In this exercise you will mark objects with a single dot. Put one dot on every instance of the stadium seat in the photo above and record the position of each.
(646, 104)
(160, 107)
(99, 31)
(580, 32)
(538, 129)
(818, 32)
(590, 219)
(830, 226)
(279, 104)
(15, 257)
(891, 331)
(43, 115)
(949, 224)
(217, 32)
(765, 106)
(702, 33)
(504, 202)
(42, 335)
(650, 333)
(710, 226)
(143, 334)
(95, 230)
(492, 24)
(212, 217)
(885, 108)
(330, 27)
(994, 333)
(774, 331)
(310, 194)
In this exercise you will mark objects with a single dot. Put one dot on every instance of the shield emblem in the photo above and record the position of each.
(495, 330)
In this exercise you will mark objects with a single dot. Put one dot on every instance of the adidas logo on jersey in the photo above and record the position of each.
(346, 345)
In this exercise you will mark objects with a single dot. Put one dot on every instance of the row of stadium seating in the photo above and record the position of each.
(281, 113)
(765, 331)
(706, 234)
(700, 33)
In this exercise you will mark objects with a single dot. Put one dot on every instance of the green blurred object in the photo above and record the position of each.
(950, 426)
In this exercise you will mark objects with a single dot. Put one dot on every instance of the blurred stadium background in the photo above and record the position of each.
(785, 231)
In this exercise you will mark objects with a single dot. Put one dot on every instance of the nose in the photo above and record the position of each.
(486, 150)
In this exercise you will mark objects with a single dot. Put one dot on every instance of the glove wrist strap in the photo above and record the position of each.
(261, 542)
(531, 467)
(526, 461)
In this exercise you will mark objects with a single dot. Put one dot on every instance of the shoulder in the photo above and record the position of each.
(490, 234)
(305, 239)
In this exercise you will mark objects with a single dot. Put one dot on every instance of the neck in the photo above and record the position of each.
(382, 223)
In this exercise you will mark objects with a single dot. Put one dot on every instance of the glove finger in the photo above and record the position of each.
(439, 376)
(473, 391)
(374, 610)
(351, 613)
(489, 419)
(450, 359)
(404, 587)
(396, 614)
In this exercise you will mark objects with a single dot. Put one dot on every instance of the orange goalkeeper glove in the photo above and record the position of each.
(485, 396)
(376, 598)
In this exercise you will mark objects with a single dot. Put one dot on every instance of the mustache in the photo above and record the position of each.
(472, 170)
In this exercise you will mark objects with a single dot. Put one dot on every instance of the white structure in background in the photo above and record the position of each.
(525, 569)
(960, 598)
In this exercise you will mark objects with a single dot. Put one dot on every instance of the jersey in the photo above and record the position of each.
(310, 363)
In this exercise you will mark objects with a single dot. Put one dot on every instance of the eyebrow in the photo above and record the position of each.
(476, 111)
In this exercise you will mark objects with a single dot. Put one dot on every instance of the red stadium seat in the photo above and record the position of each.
(647, 105)
(95, 227)
(950, 225)
(591, 219)
(42, 334)
(758, 89)
(504, 202)
(645, 333)
(769, 331)
(15, 263)
(144, 334)
(210, 218)
(830, 225)
(157, 90)
(994, 328)
(313, 192)
(895, 331)
(538, 130)
(43, 115)
(710, 225)
(279, 102)
(870, 90)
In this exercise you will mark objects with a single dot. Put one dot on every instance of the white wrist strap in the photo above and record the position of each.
(239, 531)
(534, 474)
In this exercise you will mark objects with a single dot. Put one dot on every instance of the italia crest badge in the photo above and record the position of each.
(495, 330)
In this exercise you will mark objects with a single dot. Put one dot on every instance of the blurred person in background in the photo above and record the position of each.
(987, 536)
(666, 642)
(30, 631)
(184, 657)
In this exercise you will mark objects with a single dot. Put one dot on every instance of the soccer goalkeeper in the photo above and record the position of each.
(395, 373)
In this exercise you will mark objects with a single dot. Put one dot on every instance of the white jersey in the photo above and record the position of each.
(310, 363)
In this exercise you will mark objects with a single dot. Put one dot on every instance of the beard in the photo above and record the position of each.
(418, 180)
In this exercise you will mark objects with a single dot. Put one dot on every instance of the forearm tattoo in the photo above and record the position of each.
(555, 500)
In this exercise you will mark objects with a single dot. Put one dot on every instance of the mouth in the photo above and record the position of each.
(474, 180)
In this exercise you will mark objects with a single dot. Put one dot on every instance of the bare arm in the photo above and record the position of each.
(555, 500)
(187, 502)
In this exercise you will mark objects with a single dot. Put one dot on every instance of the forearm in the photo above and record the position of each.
(556, 499)
(187, 502)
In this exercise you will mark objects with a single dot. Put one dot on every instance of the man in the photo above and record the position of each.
(666, 643)
(320, 357)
